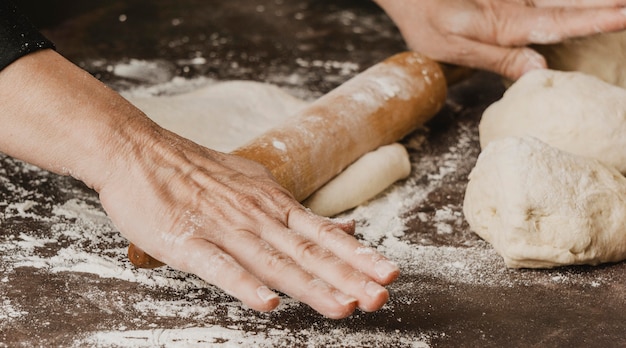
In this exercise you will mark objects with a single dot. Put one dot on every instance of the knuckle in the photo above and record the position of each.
(325, 230)
(277, 261)
(248, 203)
(307, 250)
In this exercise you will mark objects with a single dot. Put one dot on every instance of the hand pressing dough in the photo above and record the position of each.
(572, 111)
(226, 115)
(602, 55)
(542, 207)
(383, 166)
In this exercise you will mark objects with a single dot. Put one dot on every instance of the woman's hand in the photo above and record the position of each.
(494, 34)
(225, 219)
(218, 216)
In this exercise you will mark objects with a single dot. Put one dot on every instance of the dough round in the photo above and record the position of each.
(572, 111)
(602, 55)
(221, 116)
(542, 207)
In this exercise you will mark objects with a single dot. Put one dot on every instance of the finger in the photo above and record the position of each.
(553, 25)
(220, 269)
(325, 264)
(511, 63)
(345, 246)
(348, 226)
(278, 270)
(575, 3)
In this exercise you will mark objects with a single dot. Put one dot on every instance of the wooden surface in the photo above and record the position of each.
(64, 276)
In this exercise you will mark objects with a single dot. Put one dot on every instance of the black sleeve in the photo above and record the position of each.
(18, 36)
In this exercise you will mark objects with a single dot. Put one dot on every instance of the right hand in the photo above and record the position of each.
(219, 216)
(225, 219)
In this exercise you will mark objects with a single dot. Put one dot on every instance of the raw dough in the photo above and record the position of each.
(383, 166)
(602, 55)
(542, 207)
(572, 111)
(226, 115)
(221, 116)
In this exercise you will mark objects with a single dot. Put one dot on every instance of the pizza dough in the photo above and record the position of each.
(602, 55)
(572, 111)
(226, 115)
(221, 116)
(542, 207)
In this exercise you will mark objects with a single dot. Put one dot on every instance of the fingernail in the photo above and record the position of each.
(385, 268)
(373, 289)
(265, 293)
(344, 299)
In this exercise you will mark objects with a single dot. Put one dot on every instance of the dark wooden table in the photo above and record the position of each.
(64, 278)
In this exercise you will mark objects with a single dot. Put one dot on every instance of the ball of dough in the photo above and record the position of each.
(602, 55)
(541, 207)
(572, 111)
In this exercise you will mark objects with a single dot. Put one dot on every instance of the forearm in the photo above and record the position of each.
(59, 117)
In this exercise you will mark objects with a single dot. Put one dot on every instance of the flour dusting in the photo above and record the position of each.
(80, 240)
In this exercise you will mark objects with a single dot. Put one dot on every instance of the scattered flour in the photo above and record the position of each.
(232, 337)
(85, 241)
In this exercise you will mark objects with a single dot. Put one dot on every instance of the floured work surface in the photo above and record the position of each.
(65, 279)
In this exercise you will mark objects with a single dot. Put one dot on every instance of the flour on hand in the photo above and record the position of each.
(542, 207)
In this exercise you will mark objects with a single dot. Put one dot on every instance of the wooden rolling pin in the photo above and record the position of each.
(377, 107)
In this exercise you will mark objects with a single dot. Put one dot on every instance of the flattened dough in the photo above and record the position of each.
(221, 116)
(226, 115)
(542, 207)
(572, 111)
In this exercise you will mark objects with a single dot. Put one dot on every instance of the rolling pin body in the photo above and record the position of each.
(377, 107)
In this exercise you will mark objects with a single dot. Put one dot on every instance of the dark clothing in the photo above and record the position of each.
(18, 36)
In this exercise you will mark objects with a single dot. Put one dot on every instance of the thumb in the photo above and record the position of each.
(515, 62)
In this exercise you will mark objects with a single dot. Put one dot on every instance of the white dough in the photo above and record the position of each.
(221, 116)
(226, 115)
(542, 207)
(602, 55)
(572, 111)
(363, 180)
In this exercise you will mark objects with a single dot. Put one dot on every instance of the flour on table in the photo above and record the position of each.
(572, 111)
(542, 207)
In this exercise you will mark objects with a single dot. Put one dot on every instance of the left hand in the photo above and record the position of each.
(493, 35)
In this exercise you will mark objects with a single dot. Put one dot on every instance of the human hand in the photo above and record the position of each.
(225, 219)
(494, 34)
(218, 216)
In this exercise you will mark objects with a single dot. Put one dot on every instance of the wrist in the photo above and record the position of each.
(60, 118)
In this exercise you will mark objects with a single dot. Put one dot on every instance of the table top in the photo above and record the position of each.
(64, 276)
